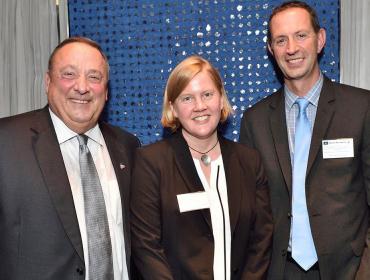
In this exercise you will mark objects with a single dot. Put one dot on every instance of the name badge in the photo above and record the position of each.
(337, 148)
(193, 201)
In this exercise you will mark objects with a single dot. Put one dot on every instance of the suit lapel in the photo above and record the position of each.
(280, 137)
(187, 169)
(120, 162)
(49, 157)
(122, 168)
(233, 182)
(324, 115)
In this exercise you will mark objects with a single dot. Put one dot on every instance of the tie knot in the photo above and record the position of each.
(302, 103)
(82, 139)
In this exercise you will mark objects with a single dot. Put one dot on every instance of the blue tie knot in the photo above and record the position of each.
(302, 103)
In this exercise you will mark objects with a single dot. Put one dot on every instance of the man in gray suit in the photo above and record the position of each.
(314, 138)
(45, 224)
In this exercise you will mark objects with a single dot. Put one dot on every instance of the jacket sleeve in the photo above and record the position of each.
(259, 245)
(147, 251)
(364, 269)
(245, 134)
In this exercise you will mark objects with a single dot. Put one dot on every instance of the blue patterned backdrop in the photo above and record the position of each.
(144, 40)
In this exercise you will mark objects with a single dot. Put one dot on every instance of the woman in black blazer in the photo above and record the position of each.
(200, 205)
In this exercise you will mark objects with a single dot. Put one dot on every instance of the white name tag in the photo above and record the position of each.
(337, 148)
(192, 201)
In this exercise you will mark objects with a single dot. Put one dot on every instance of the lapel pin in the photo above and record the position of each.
(122, 166)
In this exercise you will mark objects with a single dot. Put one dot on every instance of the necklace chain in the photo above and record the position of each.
(203, 153)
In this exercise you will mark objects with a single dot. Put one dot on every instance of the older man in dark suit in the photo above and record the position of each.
(64, 178)
(314, 138)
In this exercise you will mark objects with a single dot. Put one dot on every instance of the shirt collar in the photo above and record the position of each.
(312, 96)
(64, 133)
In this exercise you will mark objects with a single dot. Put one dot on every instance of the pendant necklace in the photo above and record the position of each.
(206, 159)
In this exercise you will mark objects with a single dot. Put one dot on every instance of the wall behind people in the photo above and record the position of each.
(26, 30)
(145, 39)
(355, 43)
(28, 33)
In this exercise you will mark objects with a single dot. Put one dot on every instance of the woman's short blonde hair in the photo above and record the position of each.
(180, 77)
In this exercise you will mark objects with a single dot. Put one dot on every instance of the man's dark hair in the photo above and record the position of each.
(294, 4)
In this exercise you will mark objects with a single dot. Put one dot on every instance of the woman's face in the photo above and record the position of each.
(198, 107)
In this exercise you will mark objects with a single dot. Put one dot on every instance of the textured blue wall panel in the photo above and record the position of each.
(144, 40)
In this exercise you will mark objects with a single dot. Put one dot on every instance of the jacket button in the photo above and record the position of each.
(289, 215)
(283, 252)
(80, 270)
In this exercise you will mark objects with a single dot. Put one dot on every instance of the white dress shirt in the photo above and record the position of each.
(69, 147)
(217, 218)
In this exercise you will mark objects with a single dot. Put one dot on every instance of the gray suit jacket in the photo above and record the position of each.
(39, 232)
(338, 190)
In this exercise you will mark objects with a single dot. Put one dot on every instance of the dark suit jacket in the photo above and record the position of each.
(39, 232)
(336, 189)
(168, 244)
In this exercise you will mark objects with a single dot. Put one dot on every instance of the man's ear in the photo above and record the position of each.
(321, 40)
(106, 95)
(47, 79)
(270, 49)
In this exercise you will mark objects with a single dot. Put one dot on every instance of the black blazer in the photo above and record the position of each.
(337, 190)
(40, 237)
(168, 244)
